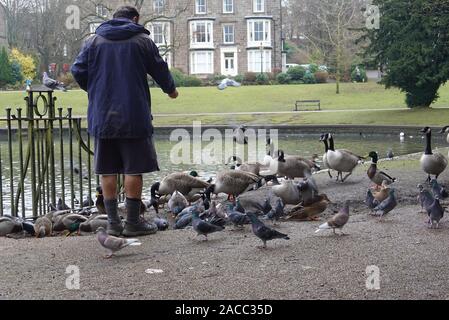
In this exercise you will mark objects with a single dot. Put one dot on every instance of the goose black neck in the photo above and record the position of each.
(428, 150)
(331, 144)
(326, 145)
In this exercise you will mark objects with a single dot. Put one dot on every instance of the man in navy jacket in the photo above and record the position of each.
(112, 67)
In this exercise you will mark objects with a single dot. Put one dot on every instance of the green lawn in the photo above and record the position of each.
(274, 98)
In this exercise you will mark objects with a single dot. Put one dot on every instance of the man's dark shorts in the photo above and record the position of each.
(125, 156)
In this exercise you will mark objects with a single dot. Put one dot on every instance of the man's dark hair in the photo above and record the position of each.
(127, 12)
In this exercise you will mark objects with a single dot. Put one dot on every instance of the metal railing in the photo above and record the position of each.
(46, 158)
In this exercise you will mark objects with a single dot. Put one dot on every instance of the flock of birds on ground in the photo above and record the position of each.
(195, 203)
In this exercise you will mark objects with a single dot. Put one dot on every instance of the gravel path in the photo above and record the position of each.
(412, 259)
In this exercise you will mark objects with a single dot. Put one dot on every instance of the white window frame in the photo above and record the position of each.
(101, 11)
(254, 60)
(256, 4)
(158, 6)
(266, 40)
(93, 26)
(224, 34)
(200, 6)
(194, 68)
(166, 38)
(225, 4)
(209, 34)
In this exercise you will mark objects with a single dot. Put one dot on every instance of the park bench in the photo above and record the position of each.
(300, 104)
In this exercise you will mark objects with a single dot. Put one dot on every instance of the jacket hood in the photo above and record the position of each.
(120, 29)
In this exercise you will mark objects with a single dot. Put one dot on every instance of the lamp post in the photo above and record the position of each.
(261, 57)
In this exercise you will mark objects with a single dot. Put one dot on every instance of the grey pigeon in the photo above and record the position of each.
(370, 201)
(183, 222)
(204, 228)
(387, 205)
(162, 224)
(114, 244)
(238, 219)
(436, 213)
(278, 212)
(217, 221)
(390, 154)
(438, 190)
(263, 232)
(425, 198)
(338, 221)
(52, 84)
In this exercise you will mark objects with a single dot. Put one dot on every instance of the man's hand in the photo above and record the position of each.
(174, 94)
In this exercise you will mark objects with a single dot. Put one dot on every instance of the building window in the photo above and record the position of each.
(101, 11)
(259, 61)
(202, 62)
(228, 34)
(259, 33)
(93, 27)
(159, 6)
(160, 32)
(228, 6)
(200, 6)
(259, 5)
(201, 34)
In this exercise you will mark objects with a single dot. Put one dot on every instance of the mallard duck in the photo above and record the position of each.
(177, 203)
(9, 225)
(326, 149)
(182, 182)
(432, 163)
(289, 192)
(375, 175)
(233, 183)
(94, 223)
(43, 227)
(383, 193)
(341, 160)
(292, 166)
(309, 212)
(69, 222)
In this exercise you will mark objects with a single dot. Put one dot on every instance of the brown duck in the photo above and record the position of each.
(310, 211)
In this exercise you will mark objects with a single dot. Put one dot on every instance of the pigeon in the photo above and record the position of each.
(43, 227)
(338, 221)
(370, 201)
(237, 218)
(202, 227)
(387, 205)
(425, 198)
(183, 222)
(217, 221)
(390, 154)
(162, 224)
(238, 207)
(438, 190)
(114, 244)
(177, 203)
(277, 213)
(62, 206)
(52, 84)
(436, 213)
(263, 232)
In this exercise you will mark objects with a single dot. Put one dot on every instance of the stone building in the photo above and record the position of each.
(206, 37)
(3, 34)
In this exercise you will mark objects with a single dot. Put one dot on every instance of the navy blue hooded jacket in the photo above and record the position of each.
(112, 67)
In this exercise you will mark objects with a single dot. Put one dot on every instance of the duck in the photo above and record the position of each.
(69, 222)
(383, 193)
(375, 175)
(311, 211)
(233, 183)
(181, 181)
(9, 225)
(326, 149)
(432, 163)
(177, 203)
(292, 166)
(341, 160)
(94, 223)
(289, 192)
(43, 227)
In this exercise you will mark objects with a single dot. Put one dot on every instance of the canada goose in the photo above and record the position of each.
(292, 166)
(233, 183)
(289, 192)
(240, 136)
(182, 182)
(341, 160)
(253, 168)
(375, 175)
(177, 203)
(432, 163)
(326, 149)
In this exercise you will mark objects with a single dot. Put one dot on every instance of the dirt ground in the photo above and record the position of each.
(412, 259)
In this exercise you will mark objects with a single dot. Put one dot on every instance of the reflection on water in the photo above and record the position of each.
(305, 145)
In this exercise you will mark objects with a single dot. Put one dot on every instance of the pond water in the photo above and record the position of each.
(291, 142)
